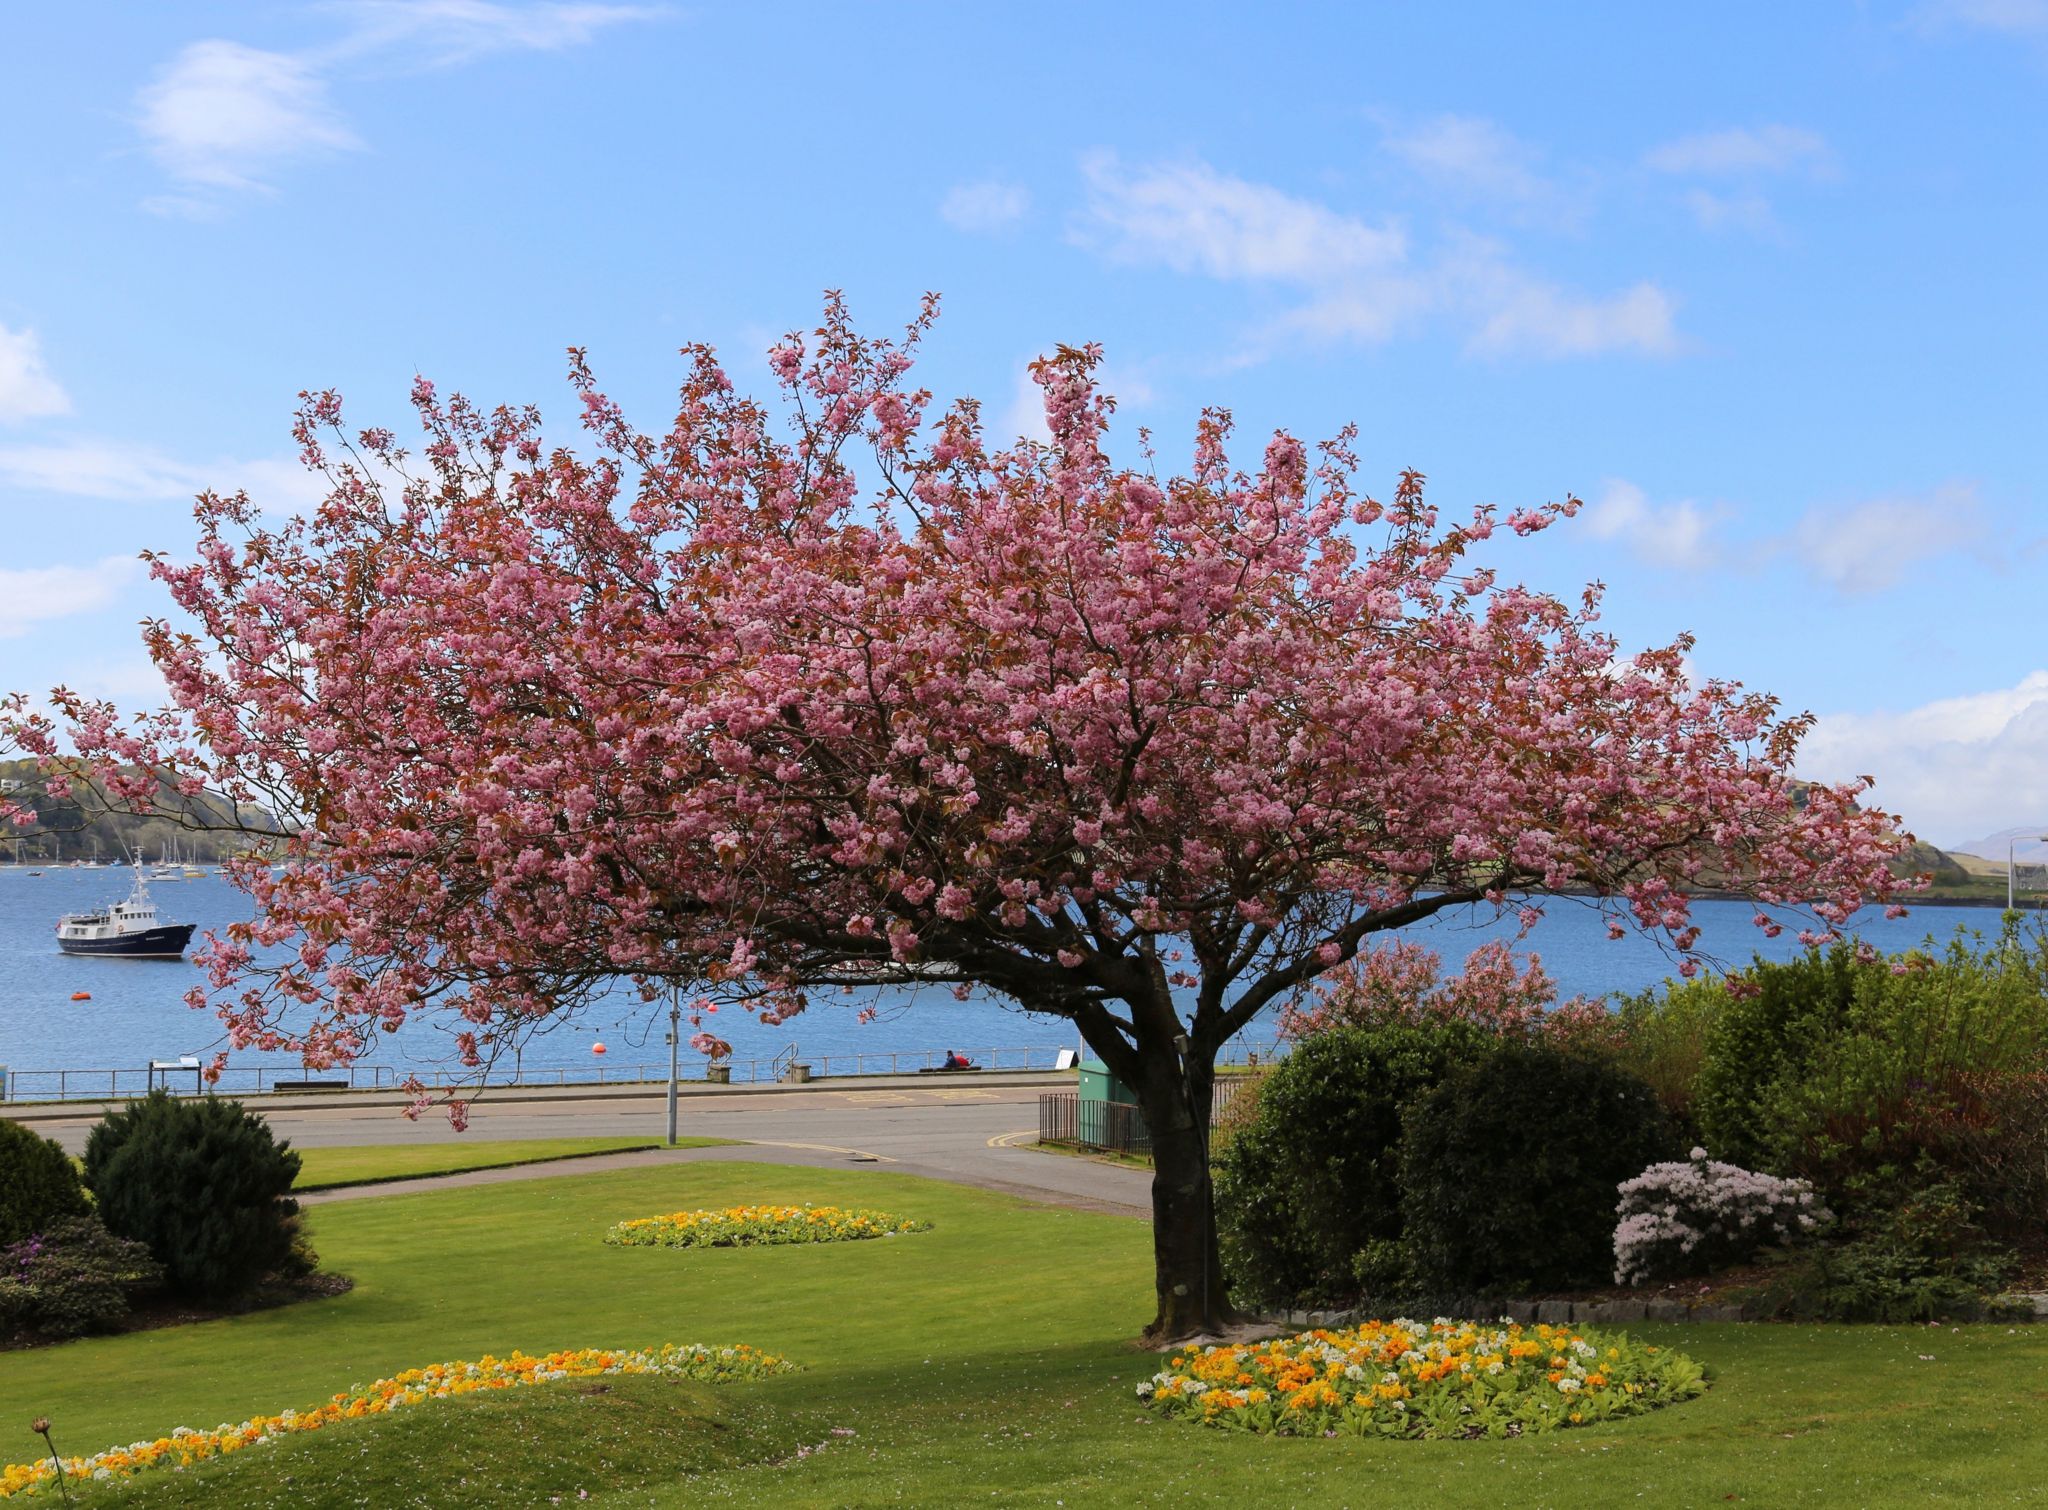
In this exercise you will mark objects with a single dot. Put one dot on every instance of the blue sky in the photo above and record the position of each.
(1763, 284)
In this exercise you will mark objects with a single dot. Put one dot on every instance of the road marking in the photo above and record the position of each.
(852, 1153)
(877, 1098)
(1009, 1140)
(965, 1095)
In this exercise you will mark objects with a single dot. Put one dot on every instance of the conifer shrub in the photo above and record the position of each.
(205, 1185)
(38, 1183)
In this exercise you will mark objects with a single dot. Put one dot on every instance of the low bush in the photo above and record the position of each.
(38, 1183)
(1308, 1197)
(204, 1184)
(1883, 1279)
(1509, 1168)
(73, 1277)
(1844, 1065)
(1701, 1215)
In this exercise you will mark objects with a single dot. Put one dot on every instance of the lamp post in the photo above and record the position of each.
(675, 1040)
(2011, 872)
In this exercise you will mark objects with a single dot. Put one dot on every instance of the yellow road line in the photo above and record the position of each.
(1009, 1139)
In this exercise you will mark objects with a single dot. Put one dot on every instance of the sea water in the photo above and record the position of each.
(136, 1012)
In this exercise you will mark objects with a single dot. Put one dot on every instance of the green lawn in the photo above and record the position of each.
(987, 1360)
(370, 1164)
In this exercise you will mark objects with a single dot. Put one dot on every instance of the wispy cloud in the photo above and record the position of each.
(29, 595)
(1951, 768)
(117, 472)
(1478, 161)
(1192, 218)
(222, 118)
(1358, 279)
(27, 390)
(989, 204)
(443, 33)
(225, 116)
(1871, 546)
(1670, 534)
(1750, 212)
(1738, 161)
(2014, 18)
(1744, 151)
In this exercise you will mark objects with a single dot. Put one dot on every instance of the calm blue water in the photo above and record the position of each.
(136, 1013)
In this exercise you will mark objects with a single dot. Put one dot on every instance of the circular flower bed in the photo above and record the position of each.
(1423, 1379)
(440, 1381)
(741, 1226)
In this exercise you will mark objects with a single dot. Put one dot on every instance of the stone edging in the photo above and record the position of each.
(1530, 1312)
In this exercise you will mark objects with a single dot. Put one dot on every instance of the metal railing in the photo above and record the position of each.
(242, 1080)
(1064, 1117)
(245, 1080)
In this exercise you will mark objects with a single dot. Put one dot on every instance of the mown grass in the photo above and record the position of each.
(988, 1360)
(372, 1164)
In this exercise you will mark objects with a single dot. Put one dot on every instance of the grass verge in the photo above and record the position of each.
(377, 1164)
(989, 1361)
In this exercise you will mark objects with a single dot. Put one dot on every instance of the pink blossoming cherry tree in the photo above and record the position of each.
(782, 698)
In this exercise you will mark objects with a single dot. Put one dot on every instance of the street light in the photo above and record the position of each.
(675, 1039)
(2009, 870)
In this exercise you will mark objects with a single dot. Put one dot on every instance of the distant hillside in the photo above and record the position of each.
(197, 828)
(2026, 840)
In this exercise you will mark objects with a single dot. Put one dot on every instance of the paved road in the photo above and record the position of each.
(963, 1133)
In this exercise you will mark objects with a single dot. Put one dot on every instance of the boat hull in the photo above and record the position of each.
(151, 943)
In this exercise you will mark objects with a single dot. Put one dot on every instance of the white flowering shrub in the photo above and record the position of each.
(1702, 1214)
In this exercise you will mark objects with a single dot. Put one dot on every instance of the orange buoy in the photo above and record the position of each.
(81, 996)
(597, 1048)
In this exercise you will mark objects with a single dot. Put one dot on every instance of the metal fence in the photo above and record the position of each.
(241, 1080)
(1063, 1117)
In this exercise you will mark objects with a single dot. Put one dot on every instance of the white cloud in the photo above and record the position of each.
(1732, 212)
(1474, 156)
(441, 33)
(1868, 547)
(1024, 415)
(2018, 18)
(1951, 769)
(1665, 534)
(1744, 151)
(27, 391)
(987, 205)
(122, 473)
(1360, 279)
(1193, 219)
(29, 595)
(1518, 314)
(224, 118)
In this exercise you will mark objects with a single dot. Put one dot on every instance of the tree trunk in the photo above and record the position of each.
(1188, 1271)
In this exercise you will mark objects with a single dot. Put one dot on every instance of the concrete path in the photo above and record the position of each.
(965, 1131)
(1024, 1172)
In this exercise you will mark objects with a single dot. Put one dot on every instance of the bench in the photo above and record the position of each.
(309, 1085)
(953, 1069)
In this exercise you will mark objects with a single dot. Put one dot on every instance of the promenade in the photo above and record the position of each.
(970, 1129)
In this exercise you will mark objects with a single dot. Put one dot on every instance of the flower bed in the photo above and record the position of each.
(743, 1226)
(1419, 1379)
(440, 1381)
